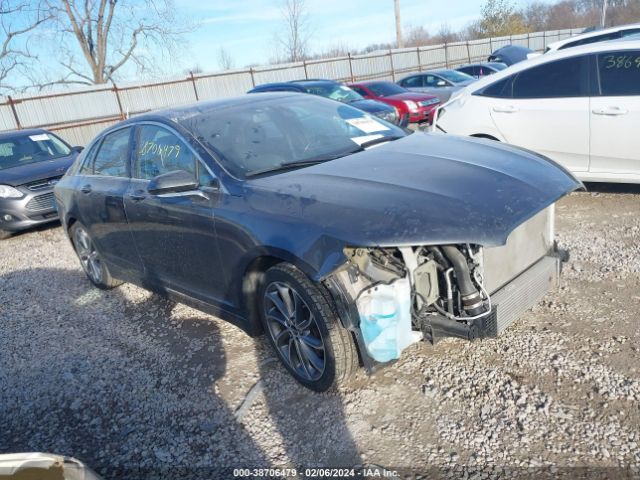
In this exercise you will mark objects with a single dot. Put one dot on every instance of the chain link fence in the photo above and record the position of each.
(78, 115)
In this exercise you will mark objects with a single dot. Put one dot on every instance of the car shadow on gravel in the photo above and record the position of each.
(116, 379)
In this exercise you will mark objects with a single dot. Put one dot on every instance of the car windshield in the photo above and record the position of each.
(385, 89)
(333, 91)
(21, 149)
(455, 77)
(265, 134)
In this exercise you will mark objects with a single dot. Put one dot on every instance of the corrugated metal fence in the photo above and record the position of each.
(79, 115)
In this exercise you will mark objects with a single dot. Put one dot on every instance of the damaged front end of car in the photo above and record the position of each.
(391, 297)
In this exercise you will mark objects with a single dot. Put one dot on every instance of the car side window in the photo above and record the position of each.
(467, 70)
(568, 77)
(113, 156)
(412, 82)
(359, 90)
(160, 151)
(499, 89)
(619, 73)
(87, 163)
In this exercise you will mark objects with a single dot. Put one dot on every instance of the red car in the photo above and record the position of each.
(419, 106)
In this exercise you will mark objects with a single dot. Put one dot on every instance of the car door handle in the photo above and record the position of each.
(86, 189)
(611, 111)
(137, 195)
(505, 109)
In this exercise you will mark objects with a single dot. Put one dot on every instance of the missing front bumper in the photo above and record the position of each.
(509, 303)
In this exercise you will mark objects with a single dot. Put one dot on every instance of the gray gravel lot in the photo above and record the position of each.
(124, 380)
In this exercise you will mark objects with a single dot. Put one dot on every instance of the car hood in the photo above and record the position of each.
(419, 190)
(36, 171)
(414, 96)
(371, 106)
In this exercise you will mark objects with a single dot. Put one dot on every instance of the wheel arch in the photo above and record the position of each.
(252, 278)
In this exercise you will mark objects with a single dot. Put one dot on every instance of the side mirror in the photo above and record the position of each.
(441, 83)
(172, 182)
(77, 148)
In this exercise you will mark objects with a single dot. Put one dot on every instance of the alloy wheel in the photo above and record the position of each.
(89, 257)
(294, 331)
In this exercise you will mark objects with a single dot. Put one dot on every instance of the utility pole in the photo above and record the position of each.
(399, 41)
(604, 12)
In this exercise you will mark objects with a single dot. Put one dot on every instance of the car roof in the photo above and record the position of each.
(183, 112)
(594, 33)
(612, 45)
(26, 131)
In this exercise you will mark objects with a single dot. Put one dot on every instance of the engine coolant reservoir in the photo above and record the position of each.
(385, 320)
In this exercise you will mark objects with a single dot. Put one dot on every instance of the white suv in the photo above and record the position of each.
(579, 107)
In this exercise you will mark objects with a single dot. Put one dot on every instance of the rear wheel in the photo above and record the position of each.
(302, 325)
(92, 264)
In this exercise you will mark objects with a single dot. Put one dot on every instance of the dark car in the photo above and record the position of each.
(31, 162)
(510, 54)
(441, 82)
(343, 237)
(479, 70)
(418, 107)
(339, 92)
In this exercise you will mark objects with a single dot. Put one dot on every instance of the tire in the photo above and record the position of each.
(94, 267)
(4, 234)
(313, 331)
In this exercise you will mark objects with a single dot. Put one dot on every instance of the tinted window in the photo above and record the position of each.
(412, 82)
(619, 73)
(25, 149)
(160, 151)
(113, 155)
(87, 163)
(359, 90)
(562, 78)
(499, 89)
(467, 70)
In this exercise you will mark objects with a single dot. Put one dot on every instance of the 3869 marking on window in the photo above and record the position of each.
(622, 61)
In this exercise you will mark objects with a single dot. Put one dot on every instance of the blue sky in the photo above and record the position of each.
(246, 28)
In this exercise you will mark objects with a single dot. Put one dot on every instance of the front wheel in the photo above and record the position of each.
(92, 264)
(303, 328)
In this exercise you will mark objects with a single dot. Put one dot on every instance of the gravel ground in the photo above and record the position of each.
(130, 383)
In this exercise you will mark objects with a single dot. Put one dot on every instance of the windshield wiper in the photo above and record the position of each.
(376, 141)
(307, 162)
(285, 166)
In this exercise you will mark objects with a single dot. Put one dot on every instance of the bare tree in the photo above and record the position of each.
(17, 21)
(293, 41)
(97, 38)
(225, 60)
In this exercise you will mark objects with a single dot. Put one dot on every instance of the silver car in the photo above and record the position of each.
(31, 163)
(441, 83)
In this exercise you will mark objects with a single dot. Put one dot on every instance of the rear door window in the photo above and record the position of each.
(619, 73)
(113, 156)
(568, 77)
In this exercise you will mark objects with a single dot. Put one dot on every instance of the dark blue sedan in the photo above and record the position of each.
(342, 237)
